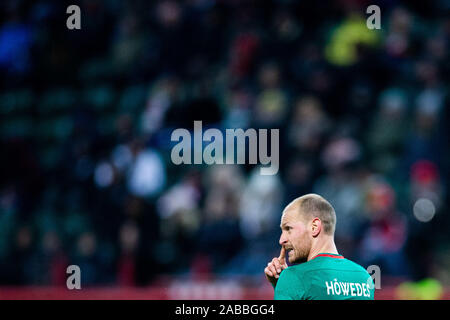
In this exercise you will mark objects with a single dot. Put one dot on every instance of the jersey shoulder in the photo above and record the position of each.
(289, 286)
(329, 263)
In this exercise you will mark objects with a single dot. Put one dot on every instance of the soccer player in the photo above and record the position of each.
(320, 272)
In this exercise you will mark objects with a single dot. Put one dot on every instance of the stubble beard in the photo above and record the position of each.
(302, 252)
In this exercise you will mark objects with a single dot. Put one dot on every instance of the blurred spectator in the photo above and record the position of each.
(388, 130)
(385, 234)
(147, 176)
(347, 39)
(271, 104)
(129, 237)
(260, 205)
(308, 125)
(16, 40)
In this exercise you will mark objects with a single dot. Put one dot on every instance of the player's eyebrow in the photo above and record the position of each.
(284, 225)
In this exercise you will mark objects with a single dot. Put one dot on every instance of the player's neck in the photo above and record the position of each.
(326, 247)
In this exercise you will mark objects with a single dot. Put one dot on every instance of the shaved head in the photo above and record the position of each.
(312, 206)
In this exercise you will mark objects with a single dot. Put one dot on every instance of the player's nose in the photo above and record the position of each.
(282, 240)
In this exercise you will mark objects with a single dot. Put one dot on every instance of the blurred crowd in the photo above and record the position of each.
(86, 117)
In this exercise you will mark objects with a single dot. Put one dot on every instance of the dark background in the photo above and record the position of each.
(86, 117)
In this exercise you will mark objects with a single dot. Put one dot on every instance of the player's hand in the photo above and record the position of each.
(274, 267)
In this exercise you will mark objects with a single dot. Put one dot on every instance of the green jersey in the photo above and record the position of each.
(325, 277)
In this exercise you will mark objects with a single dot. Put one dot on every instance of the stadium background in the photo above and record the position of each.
(86, 118)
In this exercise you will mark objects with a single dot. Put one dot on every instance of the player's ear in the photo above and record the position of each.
(316, 227)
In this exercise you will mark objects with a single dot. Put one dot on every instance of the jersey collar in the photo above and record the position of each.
(329, 255)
